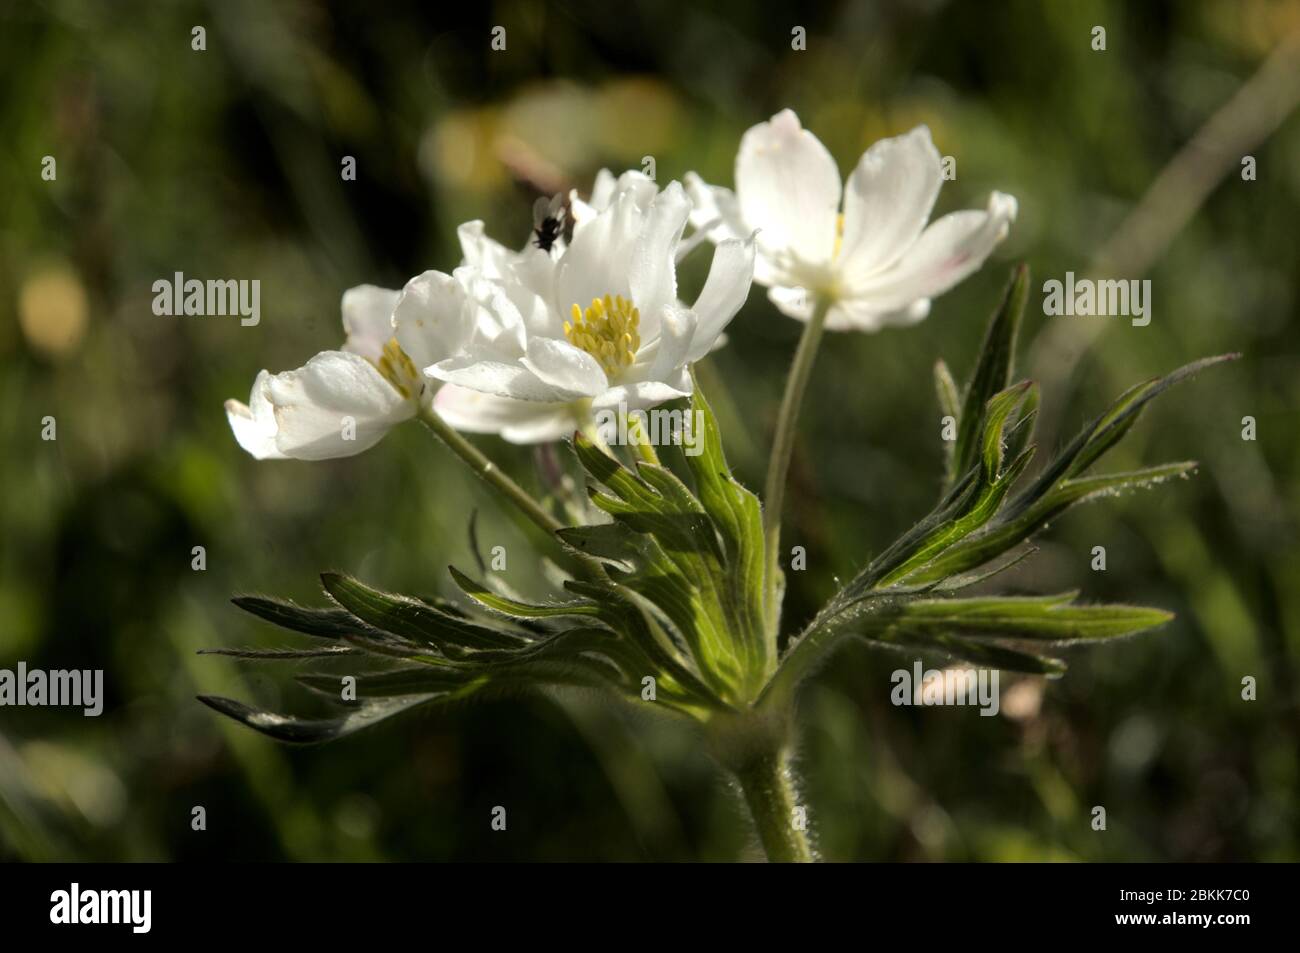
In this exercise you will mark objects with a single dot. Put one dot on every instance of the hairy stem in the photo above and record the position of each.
(782, 447)
(767, 783)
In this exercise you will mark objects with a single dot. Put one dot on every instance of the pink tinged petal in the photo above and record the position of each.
(653, 269)
(431, 318)
(254, 423)
(848, 315)
(888, 201)
(518, 421)
(368, 319)
(789, 188)
(724, 293)
(950, 249)
(334, 394)
(570, 371)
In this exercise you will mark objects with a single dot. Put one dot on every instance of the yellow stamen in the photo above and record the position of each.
(608, 330)
(398, 369)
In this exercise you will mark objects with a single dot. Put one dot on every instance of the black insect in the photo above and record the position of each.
(548, 221)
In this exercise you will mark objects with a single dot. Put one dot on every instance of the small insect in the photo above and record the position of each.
(548, 221)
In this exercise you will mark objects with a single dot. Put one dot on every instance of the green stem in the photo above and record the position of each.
(782, 447)
(489, 471)
(492, 474)
(768, 785)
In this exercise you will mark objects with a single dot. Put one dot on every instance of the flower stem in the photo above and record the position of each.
(485, 468)
(768, 785)
(782, 447)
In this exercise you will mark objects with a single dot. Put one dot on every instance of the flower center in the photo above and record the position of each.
(399, 370)
(608, 331)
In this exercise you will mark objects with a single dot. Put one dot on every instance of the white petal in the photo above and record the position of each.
(503, 378)
(639, 186)
(334, 390)
(653, 269)
(605, 189)
(714, 209)
(724, 292)
(795, 302)
(951, 248)
(487, 255)
(789, 188)
(368, 319)
(643, 394)
(431, 318)
(849, 315)
(888, 201)
(570, 371)
(717, 215)
(602, 190)
(496, 325)
(678, 330)
(254, 423)
(596, 262)
(518, 421)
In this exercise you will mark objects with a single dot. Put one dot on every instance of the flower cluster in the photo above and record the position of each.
(671, 586)
(531, 344)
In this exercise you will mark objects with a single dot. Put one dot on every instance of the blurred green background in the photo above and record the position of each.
(225, 164)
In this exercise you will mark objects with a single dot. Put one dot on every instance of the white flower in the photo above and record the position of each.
(338, 403)
(599, 324)
(877, 260)
(343, 402)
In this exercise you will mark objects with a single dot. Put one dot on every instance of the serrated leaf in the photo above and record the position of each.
(312, 731)
(325, 623)
(1018, 434)
(1039, 618)
(993, 371)
(1003, 534)
(1104, 432)
(946, 391)
(290, 655)
(992, 437)
(415, 620)
(514, 608)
